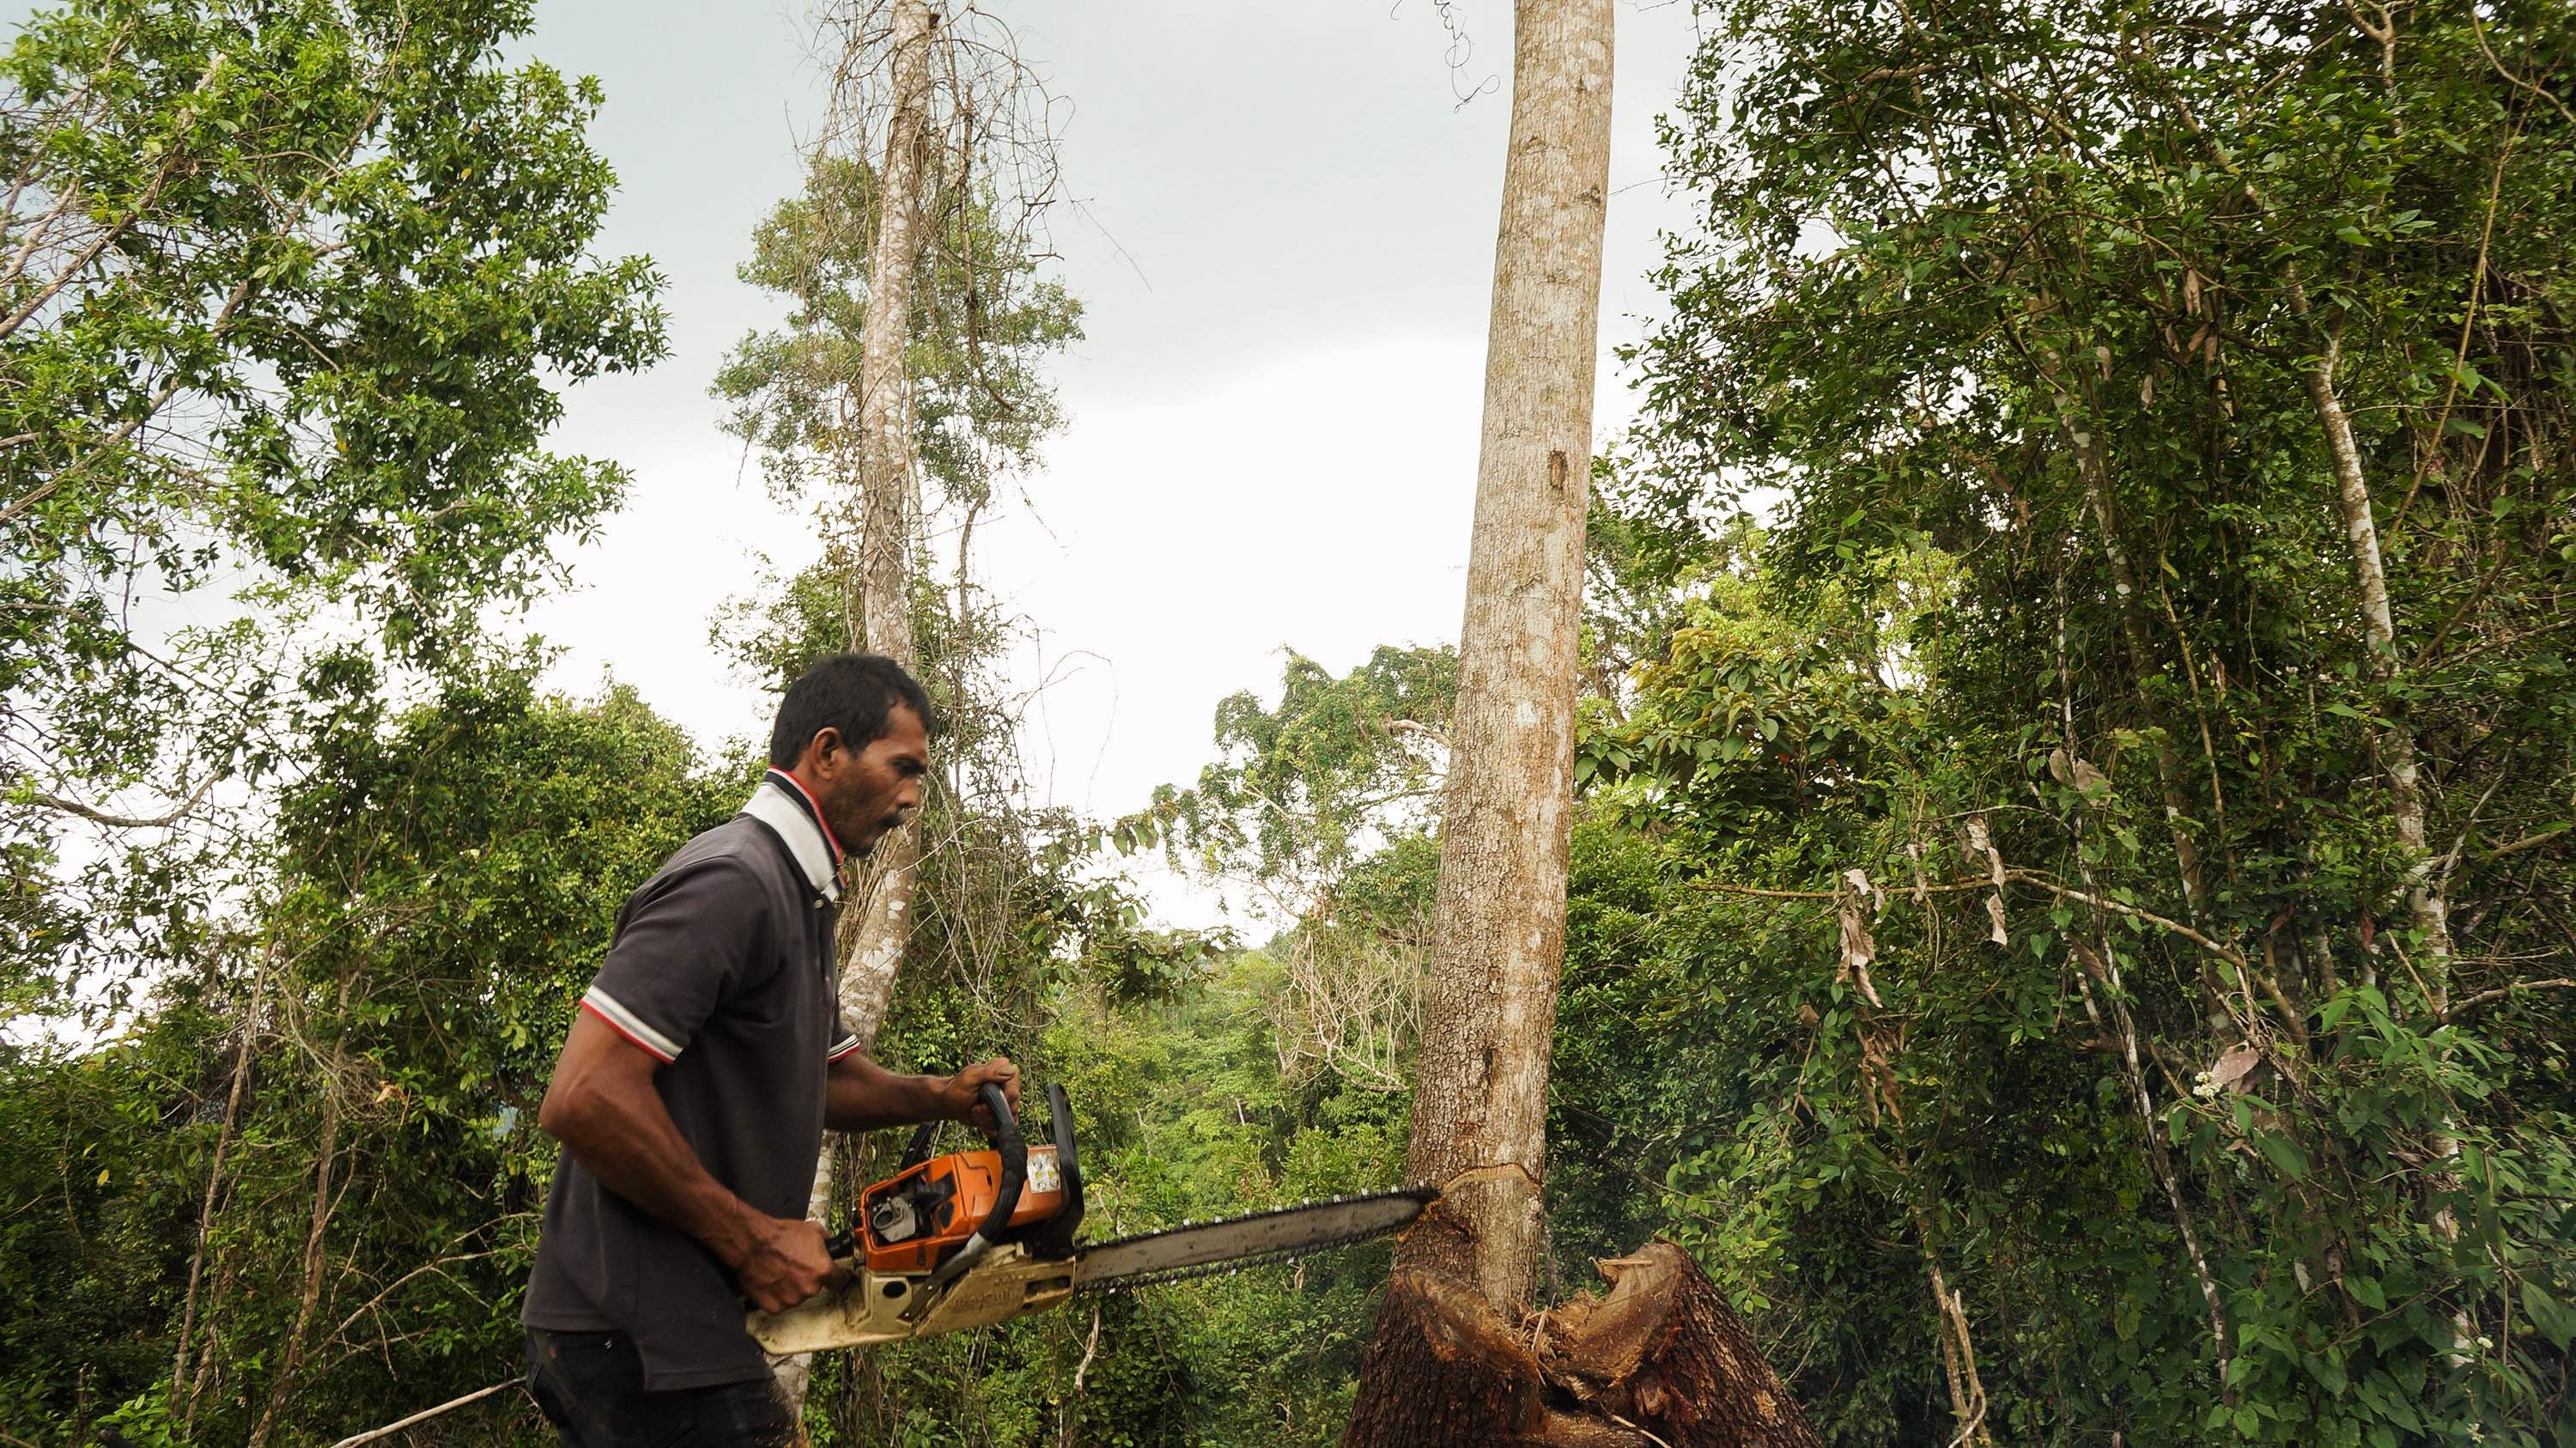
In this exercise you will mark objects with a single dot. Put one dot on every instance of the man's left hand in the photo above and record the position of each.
(961, 1096)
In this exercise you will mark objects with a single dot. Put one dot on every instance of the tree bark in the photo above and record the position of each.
(877, 595)
(1442, 1368)
(880, 602)
(2424, 901)
(1665, 1352)
(1480, 1104)
(1661, 1359)
(291, 1354)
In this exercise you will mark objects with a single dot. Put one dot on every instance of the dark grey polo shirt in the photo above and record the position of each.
(722, 970)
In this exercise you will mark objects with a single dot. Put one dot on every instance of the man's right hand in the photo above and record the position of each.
(783, 1263)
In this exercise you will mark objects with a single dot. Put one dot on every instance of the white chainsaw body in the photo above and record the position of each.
(1006, 1283)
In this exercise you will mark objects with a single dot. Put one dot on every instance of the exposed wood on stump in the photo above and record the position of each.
(1661, 1358)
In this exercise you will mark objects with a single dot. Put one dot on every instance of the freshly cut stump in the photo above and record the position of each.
(1666, 1353)
(1661, 1359)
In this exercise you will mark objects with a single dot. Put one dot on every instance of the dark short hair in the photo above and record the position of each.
(854, 693)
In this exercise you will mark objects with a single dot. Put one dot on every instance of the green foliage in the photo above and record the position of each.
(983, 322)
(446, 879)
(1303, 790)
(1996, 303)
(290, 289)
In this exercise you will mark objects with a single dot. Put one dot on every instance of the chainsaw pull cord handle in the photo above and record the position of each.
(1006, 1199)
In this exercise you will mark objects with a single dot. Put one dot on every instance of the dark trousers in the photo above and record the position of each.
(591, 1386)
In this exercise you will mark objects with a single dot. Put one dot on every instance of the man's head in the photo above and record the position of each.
(855, 731)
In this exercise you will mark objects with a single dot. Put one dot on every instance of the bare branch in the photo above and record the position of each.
(451, 1405)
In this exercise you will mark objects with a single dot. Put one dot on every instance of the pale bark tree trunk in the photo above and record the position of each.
(2430, 912)
(2425, 904)
(2424, 901)
(1480, 1101)
(877, 597)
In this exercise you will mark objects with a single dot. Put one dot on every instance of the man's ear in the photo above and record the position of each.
(826, 740)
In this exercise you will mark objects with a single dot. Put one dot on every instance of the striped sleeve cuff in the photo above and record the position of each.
(630, 1025)
(842, 1047)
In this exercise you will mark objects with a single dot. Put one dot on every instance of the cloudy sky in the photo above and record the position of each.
(1284, 243)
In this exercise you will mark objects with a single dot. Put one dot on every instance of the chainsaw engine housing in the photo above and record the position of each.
(908, 1223)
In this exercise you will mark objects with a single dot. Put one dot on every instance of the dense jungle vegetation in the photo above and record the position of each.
(2073, 916)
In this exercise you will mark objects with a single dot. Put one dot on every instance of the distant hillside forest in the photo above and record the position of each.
(2073, 903)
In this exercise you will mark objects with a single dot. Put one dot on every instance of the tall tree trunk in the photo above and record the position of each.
(1480, 1103)
(880, 602)
(2425, 904)
(876, 597)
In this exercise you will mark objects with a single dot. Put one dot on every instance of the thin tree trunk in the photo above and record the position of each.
(291, 1355)
(877, 599)
(2083, 435)
(2105, 967)
(2425, 904)
(1958, 1350)
(2424, 901)
(214, 1189)
(1480, 1104)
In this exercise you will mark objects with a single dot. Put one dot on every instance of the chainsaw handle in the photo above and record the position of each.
(1015, 1161)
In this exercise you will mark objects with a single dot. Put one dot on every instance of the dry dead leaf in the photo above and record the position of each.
(1858, 948)
(2232, 1065)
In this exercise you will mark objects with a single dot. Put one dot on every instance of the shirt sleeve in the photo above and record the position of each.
(844, 1040)
(680, 954)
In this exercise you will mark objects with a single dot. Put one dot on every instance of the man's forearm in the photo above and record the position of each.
(860, 1095)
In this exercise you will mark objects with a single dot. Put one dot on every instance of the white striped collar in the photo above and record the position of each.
(791, 814)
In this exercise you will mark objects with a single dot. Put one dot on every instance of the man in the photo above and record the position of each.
(695, 1084)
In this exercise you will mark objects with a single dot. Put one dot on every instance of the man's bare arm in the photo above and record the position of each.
(603, 1108)
(861, 1095)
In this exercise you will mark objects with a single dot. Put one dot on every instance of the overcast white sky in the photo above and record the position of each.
(1284, 248)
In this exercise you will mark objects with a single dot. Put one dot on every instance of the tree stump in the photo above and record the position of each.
(1442, 1369)
(1661, 1359)
(1665, 1352)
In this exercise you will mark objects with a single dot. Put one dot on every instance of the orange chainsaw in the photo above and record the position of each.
(979, 1237)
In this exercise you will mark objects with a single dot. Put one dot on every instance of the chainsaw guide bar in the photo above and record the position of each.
(1204, 1248)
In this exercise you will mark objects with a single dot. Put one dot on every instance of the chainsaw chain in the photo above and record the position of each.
(1152, 1277)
